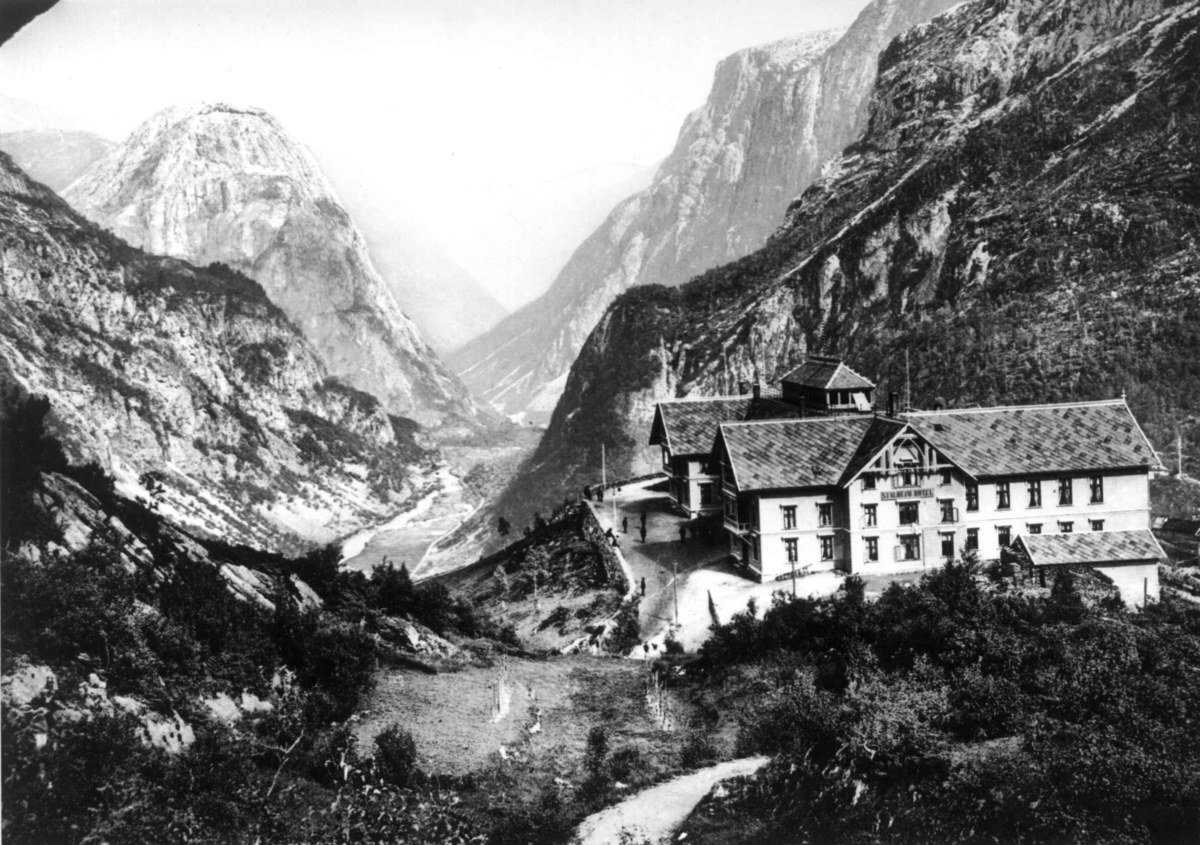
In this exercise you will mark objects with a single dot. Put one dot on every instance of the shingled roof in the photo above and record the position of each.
(688, 426)
(782, 454)
(1037, 438)
(1092, 548)
(827, 374)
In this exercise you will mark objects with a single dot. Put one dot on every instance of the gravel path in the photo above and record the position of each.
(655, 813)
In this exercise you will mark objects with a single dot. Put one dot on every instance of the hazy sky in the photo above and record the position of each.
(443, 107)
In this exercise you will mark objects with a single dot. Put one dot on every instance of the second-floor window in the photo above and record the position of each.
(868, 482)
(826, 548)
(1002, 499)
(1035, 494)
(972, 539)
(872, 548)
(948, 511)
(909, 513)
(789, 517)
(1096, 484)
(790, 546)
(907, 478)
(825, 513)
(1066, 527)
(870, 516)
(947, 477)
(1065, 494)
(1004, 534)
(972, 497)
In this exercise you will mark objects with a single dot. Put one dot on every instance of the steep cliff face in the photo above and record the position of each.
(775, 114)
(54, 157)
(153, 365)
(215, 183)
(1022, 217)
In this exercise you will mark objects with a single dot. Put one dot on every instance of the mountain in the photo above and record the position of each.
(1019, 223)
(774, 115)
(217, 183)
(189, 386)
(54, 157)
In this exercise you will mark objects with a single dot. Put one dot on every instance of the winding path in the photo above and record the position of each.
(657, 812)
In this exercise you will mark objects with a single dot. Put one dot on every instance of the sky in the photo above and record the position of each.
(461, 114)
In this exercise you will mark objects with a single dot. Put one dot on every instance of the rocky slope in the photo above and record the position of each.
(775, 114)
(153, 365)
(54, 157)
(217, 183)
(1021, 216)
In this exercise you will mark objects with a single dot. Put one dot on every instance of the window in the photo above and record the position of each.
(868, 482)
(870, 516)
(1066, 527)
(1034, 527)
(1096, 524)
(873, 548)
(1065, 494)
(909, 513)
(826, 548)
(706, 467)
(1096, 483)
(1002, 501)
(666, 458)
(754, 549)
(948, 544)
(706, 494)
(947, 477)
(825, 514)
(789, 516)
(972, 497)
(789, 546)
(1004, 534)
(949, 513)
(906, 478)
(1035, 494)
(910, 547)
(972, 539)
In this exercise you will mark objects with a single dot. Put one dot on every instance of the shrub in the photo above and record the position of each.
(396, 756)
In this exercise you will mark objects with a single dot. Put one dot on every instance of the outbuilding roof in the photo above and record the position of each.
(781, 454)
(827, 374)
(1037, 438)
(1092, 548)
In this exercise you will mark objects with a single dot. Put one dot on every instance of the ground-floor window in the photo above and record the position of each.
(790, 546)
(1097, 524)
(1066, 527)
(910, 547)
(872, 548)
(1004, 534)
(826, 548)
(972, 539)
(948, 544)
(1034, 527)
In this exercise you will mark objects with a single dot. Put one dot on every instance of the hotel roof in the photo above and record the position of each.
(812, 452)
(827, 374)
(1091, 548)
(1037, 438)
(688, 426)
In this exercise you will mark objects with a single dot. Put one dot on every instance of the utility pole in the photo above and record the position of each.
(675, 584)
(907, 383)
(725, 355)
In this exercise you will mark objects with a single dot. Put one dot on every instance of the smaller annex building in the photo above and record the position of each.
(830, 483)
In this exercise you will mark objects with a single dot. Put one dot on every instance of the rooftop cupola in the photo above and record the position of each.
(825, 385)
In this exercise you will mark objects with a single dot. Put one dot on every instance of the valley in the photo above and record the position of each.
(836, 490)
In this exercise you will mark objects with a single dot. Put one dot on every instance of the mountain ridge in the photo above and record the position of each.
(212, 182)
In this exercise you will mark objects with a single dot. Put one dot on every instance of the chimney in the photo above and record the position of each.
(758, 390)
(893, 399)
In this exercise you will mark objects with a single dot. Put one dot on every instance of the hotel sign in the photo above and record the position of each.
(911, 493)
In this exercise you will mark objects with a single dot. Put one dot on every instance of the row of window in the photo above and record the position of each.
(909, 547)
(1033, 491)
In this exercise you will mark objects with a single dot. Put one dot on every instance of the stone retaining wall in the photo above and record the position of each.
(615, 564)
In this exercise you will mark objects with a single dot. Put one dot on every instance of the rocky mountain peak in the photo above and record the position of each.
(213, 182)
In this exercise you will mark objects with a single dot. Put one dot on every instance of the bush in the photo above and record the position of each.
(396, 756)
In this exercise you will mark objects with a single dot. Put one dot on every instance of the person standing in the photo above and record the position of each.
(683, 532)
(643, 583)
(643, 532)
(624, 525)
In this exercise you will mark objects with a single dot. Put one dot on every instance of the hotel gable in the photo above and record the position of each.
(816, 477)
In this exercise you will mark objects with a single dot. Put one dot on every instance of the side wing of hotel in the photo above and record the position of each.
(816, 477)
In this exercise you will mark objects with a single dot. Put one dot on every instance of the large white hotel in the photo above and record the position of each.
(817, 479)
